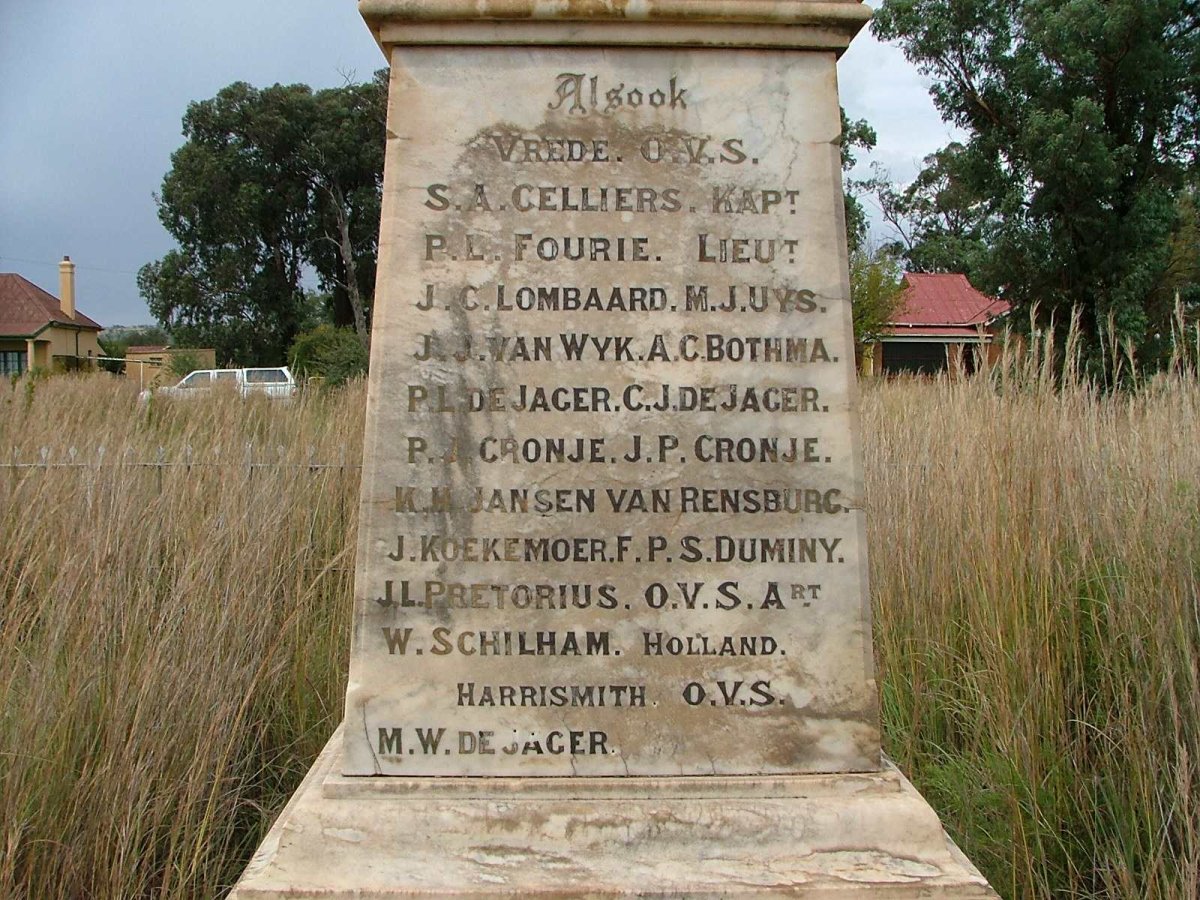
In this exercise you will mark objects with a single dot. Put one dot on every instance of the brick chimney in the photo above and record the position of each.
(66, 287)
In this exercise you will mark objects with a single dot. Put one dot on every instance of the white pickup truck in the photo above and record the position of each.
(272, 381)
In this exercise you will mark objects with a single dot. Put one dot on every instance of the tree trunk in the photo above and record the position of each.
(346, 249)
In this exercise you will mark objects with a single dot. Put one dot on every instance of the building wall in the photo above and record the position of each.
(995, 351)
(65, 349)
(154, 369)
(55, 349)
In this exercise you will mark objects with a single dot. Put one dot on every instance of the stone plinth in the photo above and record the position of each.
(817, 836)
(611, 632)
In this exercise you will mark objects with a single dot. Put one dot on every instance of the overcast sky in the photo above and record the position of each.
(92, 93)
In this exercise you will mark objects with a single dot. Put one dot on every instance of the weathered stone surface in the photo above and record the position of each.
(666, 320)
(837, 838)
(611, 634)
(795, 24)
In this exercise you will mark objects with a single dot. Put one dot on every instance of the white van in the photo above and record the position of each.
(272, 381)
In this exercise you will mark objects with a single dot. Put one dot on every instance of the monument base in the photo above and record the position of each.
(817, 836)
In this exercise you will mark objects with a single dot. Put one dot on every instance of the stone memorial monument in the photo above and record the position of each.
(611, 630)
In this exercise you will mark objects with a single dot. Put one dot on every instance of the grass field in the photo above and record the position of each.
(174, 617)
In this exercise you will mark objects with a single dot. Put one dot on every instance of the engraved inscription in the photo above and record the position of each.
(611, 512)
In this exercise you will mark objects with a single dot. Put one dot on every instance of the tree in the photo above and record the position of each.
(1183, 271)
(856, 134)
(1081, 123)
(875, 288)
(184, 362)
(266, 183)
(1177, 297)
(124, 336)
(345, 169)
(117, 339)
(940, 224)
(333, 354)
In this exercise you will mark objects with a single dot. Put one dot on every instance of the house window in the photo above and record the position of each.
(12, 362)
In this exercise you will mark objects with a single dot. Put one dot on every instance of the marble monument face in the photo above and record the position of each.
(611, 519)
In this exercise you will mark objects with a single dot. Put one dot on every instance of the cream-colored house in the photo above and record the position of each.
(41, 331)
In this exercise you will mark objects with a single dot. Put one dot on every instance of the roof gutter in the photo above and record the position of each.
(71, 326)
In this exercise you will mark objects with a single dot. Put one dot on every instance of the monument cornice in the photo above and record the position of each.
(795, 24)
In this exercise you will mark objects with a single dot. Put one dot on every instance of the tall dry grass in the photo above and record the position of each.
(173, 639)
(1035, 576)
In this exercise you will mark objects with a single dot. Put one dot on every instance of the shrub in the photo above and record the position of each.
(335, 355)
(184, 362)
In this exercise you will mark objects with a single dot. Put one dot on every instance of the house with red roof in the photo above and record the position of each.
(941, 324)
(41, 331)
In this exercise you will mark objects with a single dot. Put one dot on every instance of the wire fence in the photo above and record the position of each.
(250, 457)
(73, 479)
